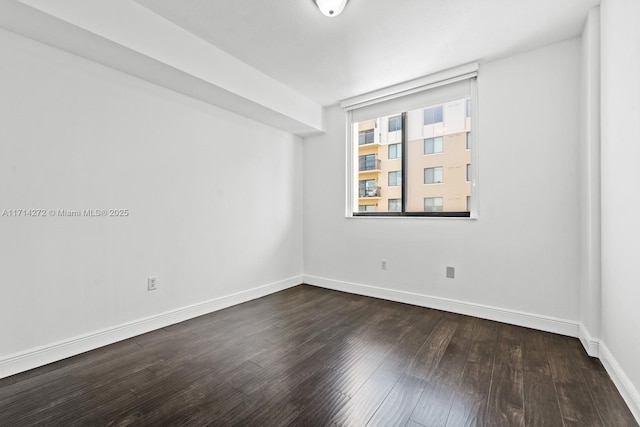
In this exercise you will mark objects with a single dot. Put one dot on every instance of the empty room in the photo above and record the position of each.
(319, 212)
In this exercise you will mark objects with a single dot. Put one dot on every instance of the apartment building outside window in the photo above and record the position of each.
(433, 145)
(395, 178)
(433, 175)
(395, 205)
(367, 208)
(423, 145)
(433, 204)
(369, 188)
(366, 137)
(395, 123)
(433, 115)
(395, 151)
(368, 163)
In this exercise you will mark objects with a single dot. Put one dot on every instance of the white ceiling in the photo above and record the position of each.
(373, 43)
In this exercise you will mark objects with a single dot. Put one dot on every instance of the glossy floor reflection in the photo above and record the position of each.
(313, 357)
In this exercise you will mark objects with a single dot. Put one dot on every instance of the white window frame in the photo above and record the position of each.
(433, 138)
(434, 168)
(389, 149)
(434, 205)
(397, 174)
(465, 72)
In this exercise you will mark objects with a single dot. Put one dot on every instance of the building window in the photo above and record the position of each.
(368, 163)
(395, 123)
(433, 115)
(411, 129)
(433, 204)
(368, 188)
(433, 145)
(395, 151)
(367, 208)
(395, 178)
(433, 175)
(365, 137)
(395, 205)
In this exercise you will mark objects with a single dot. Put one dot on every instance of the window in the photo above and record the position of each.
(433, 115)
(365, 137)
(368, 163)
(413, 174)
(433, 175)
(433, 145)
(367, 208)
(395, 205)
(395, 123)
(368, 188)
(395, 151)
(395, 178)
(433, 204)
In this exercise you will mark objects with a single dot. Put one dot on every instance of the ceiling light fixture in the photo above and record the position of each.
(331, 8)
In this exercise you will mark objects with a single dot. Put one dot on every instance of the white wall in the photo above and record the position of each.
(620, 56)
(590, 250)
(215, 200)
(523, 253)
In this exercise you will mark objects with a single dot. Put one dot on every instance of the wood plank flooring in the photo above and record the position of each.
(314, 357)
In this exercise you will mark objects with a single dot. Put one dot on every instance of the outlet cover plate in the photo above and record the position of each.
(451, 272)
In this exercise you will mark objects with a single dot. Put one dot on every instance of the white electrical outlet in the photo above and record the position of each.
(152, 283)
(383, 264)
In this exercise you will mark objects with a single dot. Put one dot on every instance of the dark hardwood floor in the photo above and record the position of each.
(314, 357)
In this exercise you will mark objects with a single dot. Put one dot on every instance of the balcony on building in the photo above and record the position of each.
(369, 165)
(370, 193)
(366, 137)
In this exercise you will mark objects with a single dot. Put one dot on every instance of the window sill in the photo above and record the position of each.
(411, 217)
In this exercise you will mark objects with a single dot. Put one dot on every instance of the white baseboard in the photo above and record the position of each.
(32, 358)
(590, 344)
(534, 321)
(626, 388)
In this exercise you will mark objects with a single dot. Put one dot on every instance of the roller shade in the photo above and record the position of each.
(429, 91)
